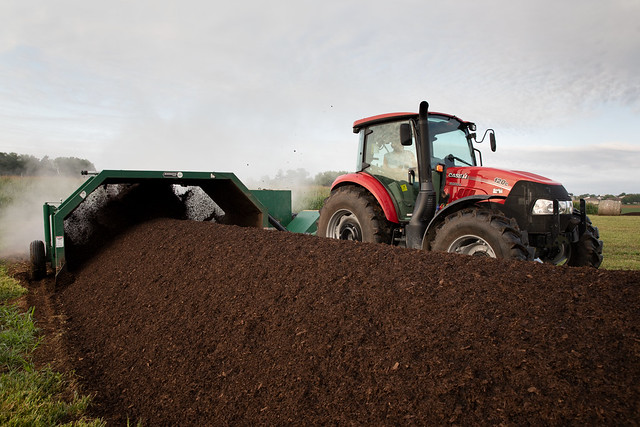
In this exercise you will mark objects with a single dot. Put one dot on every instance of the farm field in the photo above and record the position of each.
(630, 209)
(621, 237)
(336, 299)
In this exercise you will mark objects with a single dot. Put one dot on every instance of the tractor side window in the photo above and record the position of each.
(386, 155)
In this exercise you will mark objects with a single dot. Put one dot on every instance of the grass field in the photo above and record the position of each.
(309, 198)
(621, 237)
(630, 208)
(30, 396)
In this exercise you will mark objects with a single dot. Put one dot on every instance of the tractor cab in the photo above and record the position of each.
(388, 152)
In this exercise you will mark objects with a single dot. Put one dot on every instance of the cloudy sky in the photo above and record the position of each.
(256, 87)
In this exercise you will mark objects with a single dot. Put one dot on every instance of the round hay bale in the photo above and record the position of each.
(610, 207)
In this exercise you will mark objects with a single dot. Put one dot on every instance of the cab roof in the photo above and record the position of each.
(390, 117)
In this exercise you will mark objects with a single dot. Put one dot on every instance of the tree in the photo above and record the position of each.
(27, 165)
(325, 179)
(71, 165)
(630, 199)
(10, 164)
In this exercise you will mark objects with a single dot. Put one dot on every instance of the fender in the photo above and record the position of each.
(374, 187)
(454, 207)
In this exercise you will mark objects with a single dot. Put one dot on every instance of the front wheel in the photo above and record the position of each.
(480, 232)
(352, 213)
(587, 251)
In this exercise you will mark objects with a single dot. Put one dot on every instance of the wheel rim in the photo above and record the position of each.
(472, 245)
(344, 225)
(560, 254)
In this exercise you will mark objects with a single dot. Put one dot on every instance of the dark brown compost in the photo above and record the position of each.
(195, 323)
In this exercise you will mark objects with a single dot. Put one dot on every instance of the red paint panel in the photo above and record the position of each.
(468, 181)
(375, 187)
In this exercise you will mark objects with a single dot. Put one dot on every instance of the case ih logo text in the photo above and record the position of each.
(458, 175)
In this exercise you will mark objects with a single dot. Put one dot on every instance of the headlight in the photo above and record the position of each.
(545, 207)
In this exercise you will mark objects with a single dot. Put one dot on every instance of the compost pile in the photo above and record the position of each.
(196, 323)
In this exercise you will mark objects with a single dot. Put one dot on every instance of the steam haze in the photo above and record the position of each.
(254, 88)
(21, 220)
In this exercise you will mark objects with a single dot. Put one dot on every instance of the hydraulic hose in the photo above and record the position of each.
(276, 224)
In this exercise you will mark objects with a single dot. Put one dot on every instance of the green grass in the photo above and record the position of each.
(18, 337)
(630, 208)
(311, 198)
(590, 207)
(621, 237)
(9, 287)
(30, 396)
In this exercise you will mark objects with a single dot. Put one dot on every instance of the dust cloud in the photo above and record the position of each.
(21, 201)
(22, 198)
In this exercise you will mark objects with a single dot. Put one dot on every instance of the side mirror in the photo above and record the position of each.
(405, 134)
(492, 139)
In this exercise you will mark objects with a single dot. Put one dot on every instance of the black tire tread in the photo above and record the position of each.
(506, 228)
(38, 264)
(587, 251)
(374, 214)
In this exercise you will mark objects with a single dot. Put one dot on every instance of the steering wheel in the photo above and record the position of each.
(451, 157)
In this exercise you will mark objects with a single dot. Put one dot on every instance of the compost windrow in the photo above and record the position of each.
(195, 323)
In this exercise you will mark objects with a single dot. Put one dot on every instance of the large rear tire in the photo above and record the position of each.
(480, 232)
(38, 260)
(587, 251)
(352, 213)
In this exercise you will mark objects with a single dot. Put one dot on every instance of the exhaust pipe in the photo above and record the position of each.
(425, 207)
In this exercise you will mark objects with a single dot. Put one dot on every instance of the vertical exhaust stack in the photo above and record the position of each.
(425, 206)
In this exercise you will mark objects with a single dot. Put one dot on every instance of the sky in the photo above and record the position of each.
(256, 87)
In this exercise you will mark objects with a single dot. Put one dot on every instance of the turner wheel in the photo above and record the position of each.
(38, 267)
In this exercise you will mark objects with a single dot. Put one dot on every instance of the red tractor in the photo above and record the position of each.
(418, 185)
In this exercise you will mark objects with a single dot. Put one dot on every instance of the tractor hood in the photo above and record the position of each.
(476, 180)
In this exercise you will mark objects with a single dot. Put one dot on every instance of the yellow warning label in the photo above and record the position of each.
(403, 187)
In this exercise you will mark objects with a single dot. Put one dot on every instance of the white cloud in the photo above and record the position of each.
(609, 167)
(205, 85)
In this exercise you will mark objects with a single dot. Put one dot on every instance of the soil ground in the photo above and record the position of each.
(194, 323)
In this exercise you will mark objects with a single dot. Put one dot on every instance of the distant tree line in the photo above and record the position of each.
(14, 164)
(627, 199)
(631, 199)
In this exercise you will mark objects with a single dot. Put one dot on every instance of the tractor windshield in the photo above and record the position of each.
(450, 141)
